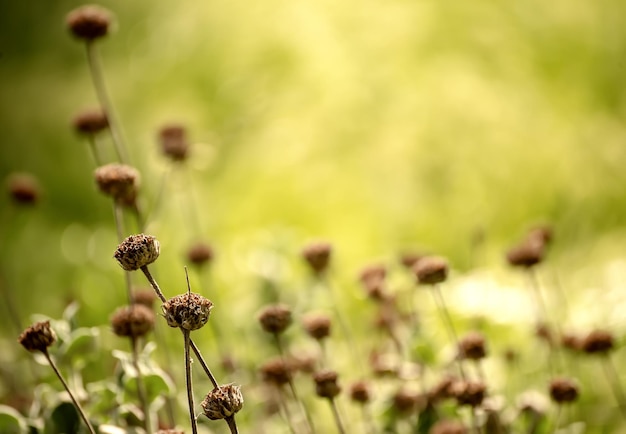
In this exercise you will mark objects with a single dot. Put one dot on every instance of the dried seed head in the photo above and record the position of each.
(545, 333)
(431, 270)
(472, 346)
(444, 389)
(563, 390)
(377, 292)
(223, 402)
(384, 364)
(543, 233)
(373, 274)
(469, 393)
(448, 427)
(527, 254)
(360, 392)
(145, 297)
(276, 371)
(275, 318)
(89, 22)
(305, 363)
(200, 253)
(409, 259)
(326, 385)
(90, 121)
(317, 325)
(571, 341)
(137, 251)
(38, 337)
(173, 139)
(119, 181)
(23, 188)
(407, 401)
(317, 255)
(189, 311)
(598, 342)
(132, 321)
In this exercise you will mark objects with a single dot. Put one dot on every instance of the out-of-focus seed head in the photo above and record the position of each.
(119, 181)
(326, 385)
(137, 251)
(189, 311)
(533, 402)
(276, 371)
(406, 401)
(38, 337)
(89, 22)
(302, 362)
(598, 342)
(542, 233)
(145, 297)
(133, 321)
(222, 402)
(448, 427)
(384, 364)
(545, 333)
(360, 392)
(317, 255)
(563, 390)
(469, 393)
(23, 188)
(444, 389)
(90, 121)
(431, 270)
(472, 346)
(373, 274)
(409, 259)
(200, 253)
(275, 318)
(173, 140)
(317, 325)
(571, 341)
(526, 254)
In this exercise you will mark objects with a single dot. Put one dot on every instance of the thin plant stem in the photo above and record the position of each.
(153, 283)
(616, 386)
(98, 82)
(333, 406)
(557, 418)
(367, 419)
(285, 405)
(141, 389)
(475, 426)
(67, 388)
(119, 220)
(93, 145)
(192, 416)
(449, 325)
(230, 421)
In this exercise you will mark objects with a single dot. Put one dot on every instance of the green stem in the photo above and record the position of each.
(448, 321)
(141, 389)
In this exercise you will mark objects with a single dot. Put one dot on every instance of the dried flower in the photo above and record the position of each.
(360, 392)
(275, 318)
(472, 346)
(23, 188)
(409, 259)
(173, 139)
(119, 181)
(38, 337)
(137, 251)
(407, 401)
(444, 389)
(469, 393)
(431, 270)
(189, 311)
(563, 390)
(200, 253)
(527, 254)
(545, 333)
(317, 255)
(145, 297)
(571, 341)
(317, 326)
(373, 274)
(89, 22)
(598, 342)
(91, 121)
(222, 402)
(132, 321)
(326, 385)
(448, 427)
(276, 371)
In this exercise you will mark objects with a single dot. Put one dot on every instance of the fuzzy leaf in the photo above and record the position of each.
(11, 422)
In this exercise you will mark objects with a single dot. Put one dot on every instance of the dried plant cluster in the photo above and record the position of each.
(307, 362)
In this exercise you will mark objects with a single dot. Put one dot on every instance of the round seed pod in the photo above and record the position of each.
(119, 181)
(317, 255)
(563, 390)
(598, 342)
(373, 274)
(431, 270)
(137, 251)
(317, 326)
(326, 385)
(38, 337)
(90, 121)
(527, 254)
(173, 139)
(276, 371)
(448, 427)
(275, 318)
(89, 22)
(407, 401)
(409, 259)
(23, 188)
(571, 341)
(222, 402)
(145, 297)
(360, 392)
(132, 321)
(200, 253)
(189, 311)
(472, 346)
(469, 393)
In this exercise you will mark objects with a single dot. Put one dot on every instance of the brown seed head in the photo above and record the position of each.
(444, 389)
(200, 253)
(119, 181)
(571, 341)
(543, 233)
(545, 333)
(384, 364)
(189, 311)
(132, 321)
(90, 121)
(23, 188)
(527, 254)
(448, 427)
(305, 363)
(373, 274)
(275, 318)
(326, 385)
(409, 259)
(89, 22)
(137, 251)
(469, 393)
(317, 255)
(276, 371)
(431, 270)
(145, 297)
(472, 346)
(598, 342)
(317, 325)
(407, 401)
(222, 402)
(173, 139)
(38, 337)
(360, 392)
(563, 390)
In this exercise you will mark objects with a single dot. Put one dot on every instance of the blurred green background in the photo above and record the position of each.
(380, 126)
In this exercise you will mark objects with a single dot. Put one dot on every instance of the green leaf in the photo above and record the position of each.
(11, 422)
(64, 420)
(80, 345)
(156, 384)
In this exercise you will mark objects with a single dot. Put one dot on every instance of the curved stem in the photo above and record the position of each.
(67, 388)
(192, 416)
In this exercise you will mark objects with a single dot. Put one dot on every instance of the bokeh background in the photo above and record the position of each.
(444, 127)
